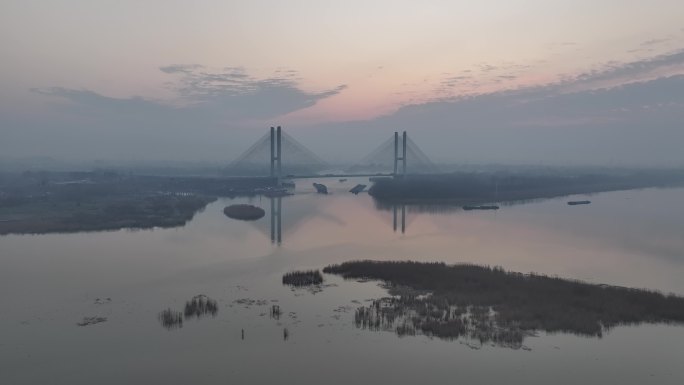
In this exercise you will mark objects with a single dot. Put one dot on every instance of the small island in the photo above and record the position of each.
(244, 212)
(489, 304)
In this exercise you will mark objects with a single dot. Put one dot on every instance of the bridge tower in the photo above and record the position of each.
(401, 158)
(276, 152)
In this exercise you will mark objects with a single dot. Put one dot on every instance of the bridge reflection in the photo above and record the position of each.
(401, 213)
(277, 220)
(298, 214)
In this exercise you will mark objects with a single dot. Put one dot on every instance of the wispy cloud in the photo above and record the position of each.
(628, 113)
(616, 73)
(230, 94)
(652, 42)
(619, 110)
(213, 112)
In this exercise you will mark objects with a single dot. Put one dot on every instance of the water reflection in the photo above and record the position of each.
(277, 220)
(427, 208)
(299, 213)
(402, 213)
(631, 238)
(548, 236)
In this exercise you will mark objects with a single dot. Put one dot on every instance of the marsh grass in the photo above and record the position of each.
(170, 319)
(493, 305)
(275, 312)
(199, 306)
(303, 278)
(86, 321)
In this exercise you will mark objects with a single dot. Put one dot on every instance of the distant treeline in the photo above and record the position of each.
(264, 169)
(44, 202)
(463, 295)
(79, 184)
(110, 213)
(472, 188)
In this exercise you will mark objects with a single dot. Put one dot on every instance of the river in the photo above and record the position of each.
(49, 283)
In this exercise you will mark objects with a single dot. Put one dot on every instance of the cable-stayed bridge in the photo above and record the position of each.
(280, 155)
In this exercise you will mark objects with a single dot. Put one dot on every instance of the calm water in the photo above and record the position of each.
(48, 283)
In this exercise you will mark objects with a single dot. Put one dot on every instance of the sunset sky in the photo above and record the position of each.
(201, 80)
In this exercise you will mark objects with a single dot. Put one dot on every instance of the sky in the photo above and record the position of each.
(493, 81)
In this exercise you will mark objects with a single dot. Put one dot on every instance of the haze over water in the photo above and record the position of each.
(51, 282)
(126, 114)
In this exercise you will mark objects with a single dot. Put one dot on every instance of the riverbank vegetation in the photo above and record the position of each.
(43, 202)
(493, 305)
(102, 213)
(470, 188)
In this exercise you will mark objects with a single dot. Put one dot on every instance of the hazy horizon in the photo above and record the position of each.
(525, 82)
(213, 192)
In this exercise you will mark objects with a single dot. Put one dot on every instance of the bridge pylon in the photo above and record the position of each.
(276, 152)
(401, 157)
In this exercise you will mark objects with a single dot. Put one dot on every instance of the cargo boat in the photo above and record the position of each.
(321, 188)
(575, 203)
(357, 189)
(491, 207)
